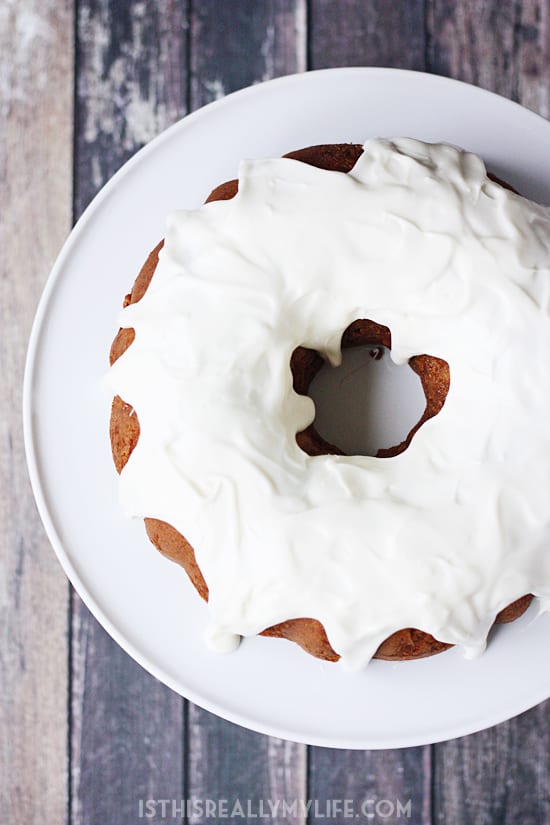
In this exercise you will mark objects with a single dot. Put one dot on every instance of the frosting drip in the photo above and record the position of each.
(440, 537)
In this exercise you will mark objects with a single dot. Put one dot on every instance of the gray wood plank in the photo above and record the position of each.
(36, 41)
(392, 34)
(227, 762)
(533, 55)
(242, 42)
(366, 33)
(501, 774)
(233, 45)
(392, 786)
(127, 729)
(131, 83)
(474, 41)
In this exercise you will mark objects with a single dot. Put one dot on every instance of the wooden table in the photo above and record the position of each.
(85, 732)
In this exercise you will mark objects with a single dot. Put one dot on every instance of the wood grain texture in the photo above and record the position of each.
(127, 729)
(131, 83)
(533, 55)
(474, 41)
(35, 212)
(499, 775)
(366, 33)
(383, 785)
(126, 732)
(242, 42)
(230, 763)
(233, 45)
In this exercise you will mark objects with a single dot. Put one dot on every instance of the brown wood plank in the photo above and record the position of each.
(127, 729)
(233, 45)
(366, 33)
(501, 774)
(474, 41)
(36, 40)
(375, 32)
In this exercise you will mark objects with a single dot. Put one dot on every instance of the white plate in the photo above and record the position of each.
(144, 601)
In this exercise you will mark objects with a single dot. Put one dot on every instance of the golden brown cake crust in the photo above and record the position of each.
(408, 643)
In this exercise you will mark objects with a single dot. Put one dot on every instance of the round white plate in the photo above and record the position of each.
(144, 601)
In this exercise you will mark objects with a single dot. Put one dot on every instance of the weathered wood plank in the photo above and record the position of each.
(366, 33)
(383, 786)
(233, 45)
(473, 40)
(533, 55)
(131, 83)
(126, 728)
(35, 210)
(227, 762)
(126, 731)
(501, 774)
(391, 34)
(243, 42)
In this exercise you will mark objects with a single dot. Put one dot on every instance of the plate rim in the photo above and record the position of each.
(30, 442)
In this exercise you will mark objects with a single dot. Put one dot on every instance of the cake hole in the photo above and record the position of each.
(368, 403)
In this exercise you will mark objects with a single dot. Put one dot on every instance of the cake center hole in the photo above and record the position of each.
(368, 403)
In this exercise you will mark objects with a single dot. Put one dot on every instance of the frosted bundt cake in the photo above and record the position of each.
(399, 244)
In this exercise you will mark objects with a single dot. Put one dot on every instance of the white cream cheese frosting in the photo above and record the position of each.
(441, 537)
